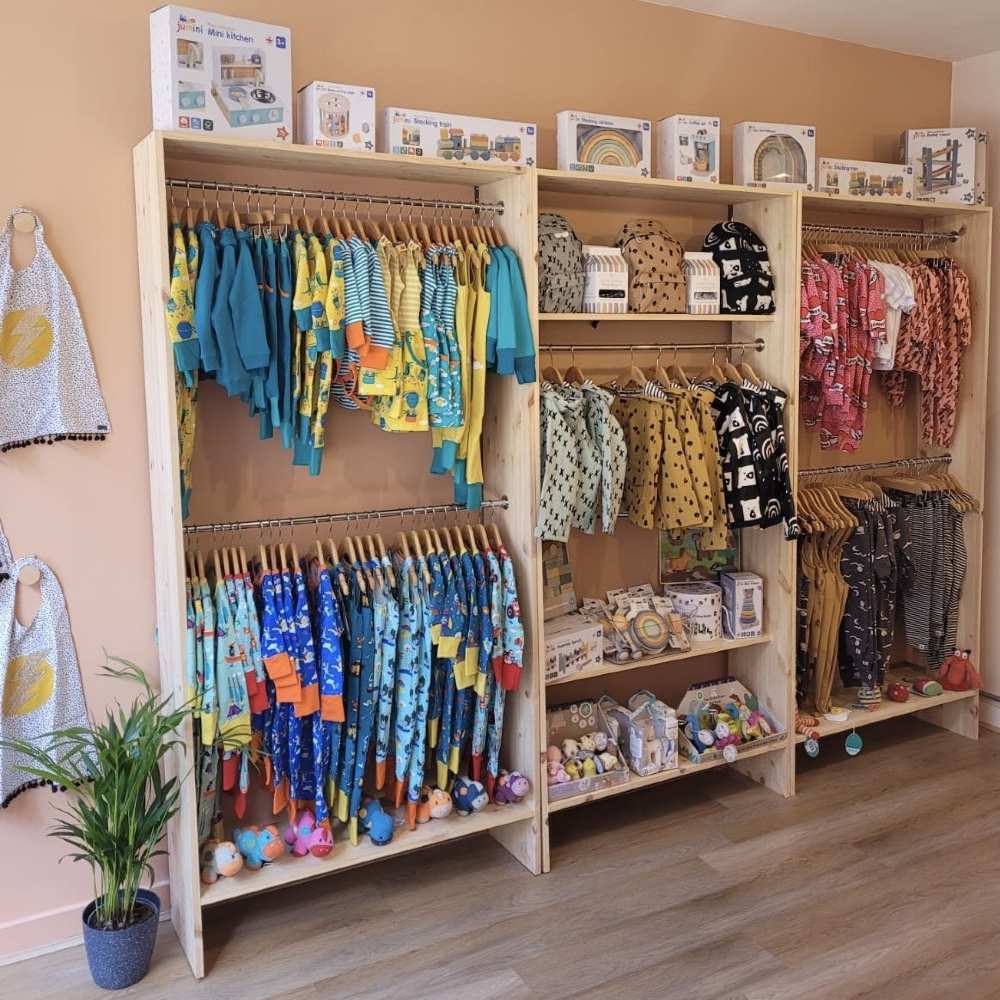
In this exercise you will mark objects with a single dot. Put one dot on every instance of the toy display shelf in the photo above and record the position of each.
(288, 870)
(956, 710)
(905, 207)
(636, 782)
(264, 155)
(649, 318)
(700, 649)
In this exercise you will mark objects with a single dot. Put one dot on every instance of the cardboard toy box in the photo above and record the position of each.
(774, 155)
(457, 137)
(605, 287)
(864, 178)
(572, 644)
(742, 605)
(336, 116)
(570, 722)
(687, 148)
(218, 74)
(949, 164)
(604, 144)
(704, 284)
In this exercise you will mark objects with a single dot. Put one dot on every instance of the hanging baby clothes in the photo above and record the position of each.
(39, 674)
(48, 386)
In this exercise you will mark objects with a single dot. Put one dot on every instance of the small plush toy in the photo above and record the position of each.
(218, 858)
(557, 773)
(608, 761)
(469, 796)
(434, 804)
(554, 754)
(572, 769)
(587, 743)
(958, 673)
(588, 768)
(512, 786)
(258, 846)
(304, 837)
(570, 748)
(375, 821)
(600, 740)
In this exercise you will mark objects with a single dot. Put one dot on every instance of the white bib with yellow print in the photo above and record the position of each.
(48, 386)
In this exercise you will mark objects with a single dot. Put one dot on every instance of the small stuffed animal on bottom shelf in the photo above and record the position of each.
(376, 822)
(219, 858)
(433, 804)
(469, 796)
(557, 773)
(512, 786)
(304, 837)
(258, 846)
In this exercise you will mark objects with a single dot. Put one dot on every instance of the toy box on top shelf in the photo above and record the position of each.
(574, 766)
(949, 164)
(572, 644)
(730, 715)
(217, 74)
(336, 116)
(457, 137)
(767, 155)
(863, 178)
(603, 144)
(687, 148)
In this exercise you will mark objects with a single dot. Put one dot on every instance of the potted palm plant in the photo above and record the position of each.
(114, 818)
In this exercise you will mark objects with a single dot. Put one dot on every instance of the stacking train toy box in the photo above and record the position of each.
(603, 144)
(949, 164)
(336, 116)
(742, 605)
(864, 179)
(687, 148)
(457, 137)
(217, 74)
(768, 155)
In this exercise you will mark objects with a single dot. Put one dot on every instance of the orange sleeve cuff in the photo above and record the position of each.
(278, 666)
(332, 708)
(309, 701)
(374, 357)
(355, 335)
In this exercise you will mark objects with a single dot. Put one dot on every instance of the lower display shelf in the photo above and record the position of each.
(288, 870)
(635, 782)
(886, 710)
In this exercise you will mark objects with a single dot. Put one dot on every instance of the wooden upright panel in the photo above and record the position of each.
(168, 549)
(511, 445)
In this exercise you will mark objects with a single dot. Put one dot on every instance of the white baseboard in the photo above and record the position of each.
(50, 928)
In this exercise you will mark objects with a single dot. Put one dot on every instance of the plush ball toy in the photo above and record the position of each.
(554, 754)
(219, 858)
(434, 804)
(570, 748)
(306, 836)
(572, 769)
(557, 773)
(587, 743)
(258, 846)
(469, 796)
(375, 821)
(589, 768)
(600, 741)
(608, 761)
(512, 786)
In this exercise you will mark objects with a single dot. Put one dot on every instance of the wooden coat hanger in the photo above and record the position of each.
(746, 370)
(335, 558)
(632, 375)
(173, 213)
(573, 373)
(551, 373)
(254, 216)
(234, 213)
(712, 370)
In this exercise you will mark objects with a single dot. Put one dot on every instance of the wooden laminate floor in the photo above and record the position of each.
(881, 879)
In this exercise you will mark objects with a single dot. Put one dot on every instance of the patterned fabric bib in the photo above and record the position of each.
(48, 386)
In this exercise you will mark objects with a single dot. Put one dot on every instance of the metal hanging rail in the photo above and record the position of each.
(502, 503)
(898, 463)
(870, 233)
(493, 207)
(751, 345)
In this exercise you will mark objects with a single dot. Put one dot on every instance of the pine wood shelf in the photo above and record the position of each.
(288, 869)
(649, 318)
(700, 649)
(636, 782)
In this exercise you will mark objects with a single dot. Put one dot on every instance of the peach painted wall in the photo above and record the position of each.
(74, 78)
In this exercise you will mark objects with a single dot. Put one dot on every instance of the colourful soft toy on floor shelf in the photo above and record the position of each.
(469, 796)
(219, 858)
(434, 804)
(304, 837)
(376, 822)
(512, 786)
(258, 846)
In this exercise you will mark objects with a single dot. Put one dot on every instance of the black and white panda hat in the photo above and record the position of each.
(745, 270)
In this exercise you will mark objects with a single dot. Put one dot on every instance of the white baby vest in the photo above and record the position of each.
(48, 386)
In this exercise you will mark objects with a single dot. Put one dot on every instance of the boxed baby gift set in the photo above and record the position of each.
(636, 622)
(742, 605)
(863, 178)
(779, 156)
(572, 644)
(949, 164)
(604, 144)
(605, 286)
(687, 148)
(457, 137)
(336, 116)
(645, 730)
(219, 74)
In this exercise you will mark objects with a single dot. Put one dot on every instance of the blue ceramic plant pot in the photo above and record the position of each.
(120, 958)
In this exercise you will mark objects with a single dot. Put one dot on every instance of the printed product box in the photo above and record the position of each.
(742, 605)
(604, 144)
(457, 137)
(703, 280)
(217, 74)
(605, 281)
(864, 178)
(336, 116)
(779, 156)
(949, 164)
(572, 644)
(687, 148)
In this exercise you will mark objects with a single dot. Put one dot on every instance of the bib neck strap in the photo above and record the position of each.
(8, 229)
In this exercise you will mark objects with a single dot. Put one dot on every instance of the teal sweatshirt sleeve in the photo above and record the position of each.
(490, 284)
(231, 375)
(208, 273)
(247, 312)
(502, 305)
(524, 340)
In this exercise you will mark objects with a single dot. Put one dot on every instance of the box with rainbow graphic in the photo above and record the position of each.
(605, 144)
